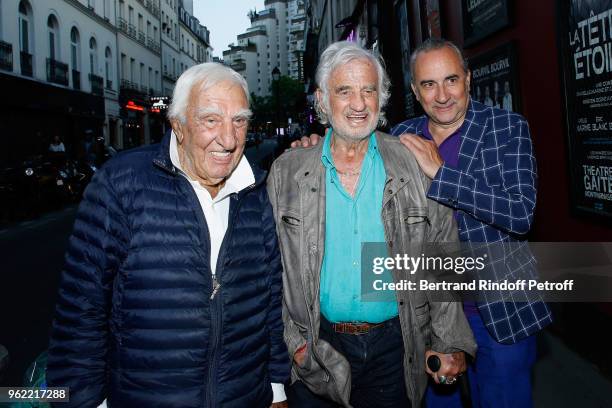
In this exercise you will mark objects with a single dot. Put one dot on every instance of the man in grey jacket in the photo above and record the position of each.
(358, 186)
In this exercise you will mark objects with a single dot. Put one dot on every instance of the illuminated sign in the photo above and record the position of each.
(131, 105)
(159, 103)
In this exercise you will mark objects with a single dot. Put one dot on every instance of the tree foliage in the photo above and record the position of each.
(286, 100)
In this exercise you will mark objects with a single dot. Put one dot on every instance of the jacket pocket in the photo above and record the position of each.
(415, 221)
(332, 378)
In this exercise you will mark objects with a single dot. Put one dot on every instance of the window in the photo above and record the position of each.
(150, 78)
(108, 64)
(53, 29)
(106, 9)
(142, 75)
(132, 70)
(93, 56)
(140, 22)
(130, 15)
(124, 67)
(25, 15)
(74, 48)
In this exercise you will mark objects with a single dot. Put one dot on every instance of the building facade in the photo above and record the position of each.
(92, 67)
(274, 40)
(58, 72)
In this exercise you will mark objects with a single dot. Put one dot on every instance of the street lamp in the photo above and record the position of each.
(276, 84)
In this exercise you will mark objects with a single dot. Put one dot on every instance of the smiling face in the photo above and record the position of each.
(442, 86)
(212, 138)
(353, 99)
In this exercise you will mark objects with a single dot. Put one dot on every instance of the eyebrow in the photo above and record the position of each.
(426, 81)
(243, 113)
(207, 111)
(342, 88)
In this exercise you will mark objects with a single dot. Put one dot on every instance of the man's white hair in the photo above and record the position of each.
(202, 76)
(341, 53)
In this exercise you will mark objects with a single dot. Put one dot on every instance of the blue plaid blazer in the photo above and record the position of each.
(493, 191)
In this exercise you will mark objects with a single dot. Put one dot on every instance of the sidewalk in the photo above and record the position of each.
(564, 379)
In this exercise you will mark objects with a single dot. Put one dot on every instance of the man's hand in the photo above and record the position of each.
(452, 365)
(300, 355)
(425, 151)
(307, 141)
(282, 404)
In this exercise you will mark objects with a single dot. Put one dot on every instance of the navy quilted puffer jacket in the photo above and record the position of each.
(135, 322)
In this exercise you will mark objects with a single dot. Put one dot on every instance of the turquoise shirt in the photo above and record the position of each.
(350, 221)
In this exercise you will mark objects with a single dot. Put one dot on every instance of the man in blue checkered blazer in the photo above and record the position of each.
(482, 165)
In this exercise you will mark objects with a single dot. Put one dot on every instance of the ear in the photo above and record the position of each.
(319, 96)
(178, 129)
(414, 91)
(468, 79)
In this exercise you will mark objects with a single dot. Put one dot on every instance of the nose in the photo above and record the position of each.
(357, 102)
(228, 135)
(441, 94)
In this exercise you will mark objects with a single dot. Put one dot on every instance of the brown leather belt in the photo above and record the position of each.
(355, 328)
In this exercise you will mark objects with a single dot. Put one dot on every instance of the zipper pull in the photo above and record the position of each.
(216, 286)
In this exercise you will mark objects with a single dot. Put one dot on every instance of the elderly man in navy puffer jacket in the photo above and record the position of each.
(171, 293)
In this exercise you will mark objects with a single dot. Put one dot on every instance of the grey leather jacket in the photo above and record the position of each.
(296, 186)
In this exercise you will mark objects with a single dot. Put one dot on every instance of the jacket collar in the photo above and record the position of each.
(312, 169)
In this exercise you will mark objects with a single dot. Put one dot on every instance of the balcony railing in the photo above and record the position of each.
(238, 66)
(6, 56)
(153, 45)
(142, 38)
(122, 25)
(76, 79)
(132, 30)
(144, 89)
(127, 84)
(168, 76)
(97, 84)
(153, 8)
(26, 63)
(109, 84)
(57, 72)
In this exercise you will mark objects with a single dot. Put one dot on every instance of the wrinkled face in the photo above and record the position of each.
(211, 141)
(353, 99)
(441, 86)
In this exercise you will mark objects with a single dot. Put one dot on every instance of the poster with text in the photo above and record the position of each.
(495, 78)
(482, 18)
(585, 32)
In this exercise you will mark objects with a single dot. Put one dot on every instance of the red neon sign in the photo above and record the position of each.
(131, 105)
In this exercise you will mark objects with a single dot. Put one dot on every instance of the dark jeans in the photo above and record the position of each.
(377, 370)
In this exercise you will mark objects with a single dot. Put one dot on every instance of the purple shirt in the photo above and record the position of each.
(449, 151)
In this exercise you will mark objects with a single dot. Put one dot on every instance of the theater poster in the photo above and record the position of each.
(495, 78)
(585, 42)
(482, 18)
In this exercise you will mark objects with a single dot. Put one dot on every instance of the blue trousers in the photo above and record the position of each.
(377, 372)
(500, 376)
